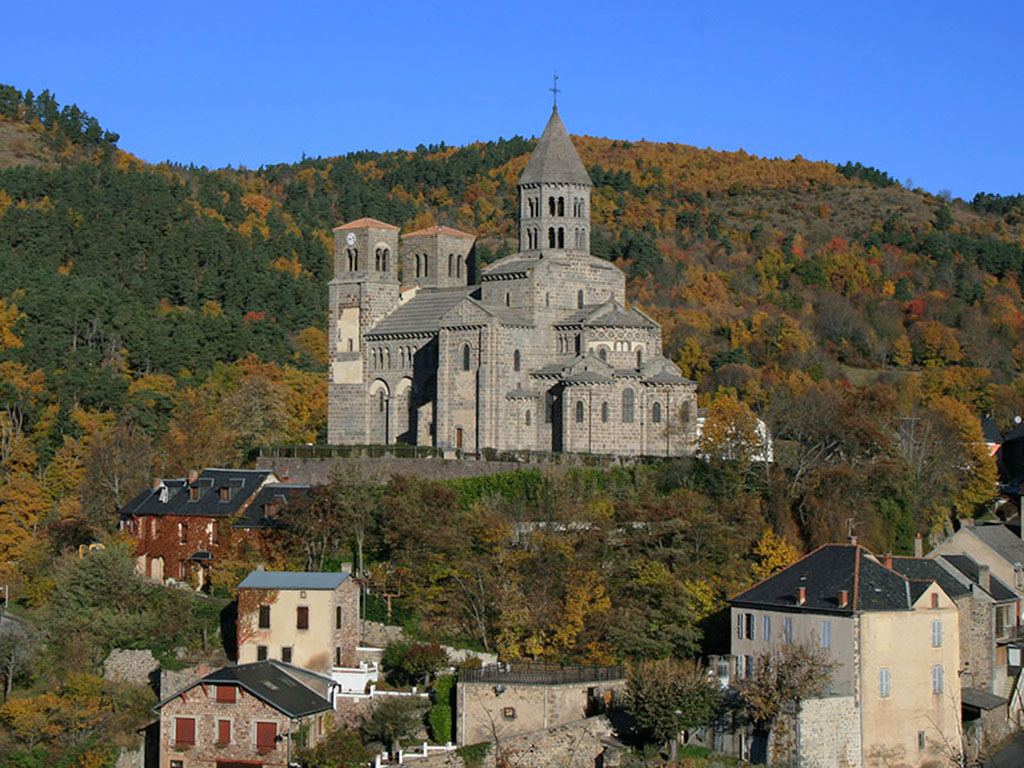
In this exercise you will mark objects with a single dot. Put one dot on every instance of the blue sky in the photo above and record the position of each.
(925, 91)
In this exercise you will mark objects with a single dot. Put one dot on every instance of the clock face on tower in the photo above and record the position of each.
(350, 238)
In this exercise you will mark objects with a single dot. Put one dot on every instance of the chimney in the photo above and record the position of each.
(801, 595)
(286, 477)
(844, 598)
(985, 578)
(157, 482)
(193, 475)
(853, 540)
(918, 546)
(887, 561)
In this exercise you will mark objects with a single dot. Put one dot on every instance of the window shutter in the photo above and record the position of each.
(766, 624)
(884, 683)
(223, 731)
(936, 634)
(937, 678)
(185, 730)
(266, 733)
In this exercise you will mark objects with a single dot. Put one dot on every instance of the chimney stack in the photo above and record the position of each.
(888, 561)
(985, 578)
(844, 598)
(286, 478)
(801, 595)
(193, 475)
(918, 546)
(157, 482)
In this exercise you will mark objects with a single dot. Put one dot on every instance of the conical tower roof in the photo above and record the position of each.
(555, 160)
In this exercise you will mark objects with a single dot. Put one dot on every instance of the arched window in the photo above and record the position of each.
(426, 265)
(355, 259)
(451, 264)
(465, 357)
(458, 265)
(579, 343)
(561, 206)
(551, 237)
(528, 418)
(547, 300)
(508, 299)
(579, 411)
(561, 237)
(384, 260)
(418, 265)
(380, 401)
(627, 406)
(350, 345)
(656, 413)
(603, 353)
(640, 357)
(349, 253)
(604, 412)
(517, 360)
(579, 299)
(551, 206)
(376, 259)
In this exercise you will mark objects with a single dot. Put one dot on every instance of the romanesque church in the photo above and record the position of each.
(542, 355)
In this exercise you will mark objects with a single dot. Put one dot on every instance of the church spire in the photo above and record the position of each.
(554, 194)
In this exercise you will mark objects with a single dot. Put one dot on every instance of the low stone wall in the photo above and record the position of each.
(173, 681)
(128, 666)
(573, 745)
(317, 471)
(828, 732)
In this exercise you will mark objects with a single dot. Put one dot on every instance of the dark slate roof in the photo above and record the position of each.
(826, 571)
(968, 566)
(1014, 434)
(554, 159)
(279, 494)
(608, 314)
(272, 681)
(979, 699)
(422, 313)
(1001, 539)
(292, 580)
(587, 377)
(924, 569)
(511, 267)
(990, 431)
(242, 484)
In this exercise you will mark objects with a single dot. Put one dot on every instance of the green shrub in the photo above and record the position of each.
(439, 722)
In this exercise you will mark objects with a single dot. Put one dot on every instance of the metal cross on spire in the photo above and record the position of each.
(555, 90)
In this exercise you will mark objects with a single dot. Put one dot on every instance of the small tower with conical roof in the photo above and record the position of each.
(554, 195)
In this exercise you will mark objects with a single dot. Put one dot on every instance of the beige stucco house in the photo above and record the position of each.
(894, 697)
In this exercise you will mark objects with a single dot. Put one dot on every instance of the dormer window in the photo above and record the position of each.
(271, 509)
(193, 494)
(225, 494)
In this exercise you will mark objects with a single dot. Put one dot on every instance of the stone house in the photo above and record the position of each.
(183, 525)
(508, 699)
(894, 695)
(541, 354)
(251, 715)
(307, 619)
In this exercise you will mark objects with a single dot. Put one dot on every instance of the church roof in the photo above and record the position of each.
(422, 313)
(441, 230)
(609, 314)
(512, 267)
(366, 223)
(554, 159)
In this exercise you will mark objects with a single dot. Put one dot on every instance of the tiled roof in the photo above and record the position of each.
(609, 314)
(1001, 539)
(422, 313)
(968, 566)
(979, 699)
(172, 496)
(440, 230)
(587, 377)
(278, 494)
(366, 223)
(554, 159)
(274, 682)
(512, 267)
(292, 580)
(925, 569)
(870, 586)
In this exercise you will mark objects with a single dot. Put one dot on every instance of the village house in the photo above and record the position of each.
(307, 619)
(252, 715)
(183, 525)
(509, 699)
(894, 694)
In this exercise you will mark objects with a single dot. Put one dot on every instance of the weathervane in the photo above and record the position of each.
(555, 90)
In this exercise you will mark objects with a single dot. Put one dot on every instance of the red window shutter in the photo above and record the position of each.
(185, 730)
(226, 694)
(223, 731)
(266, 733)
